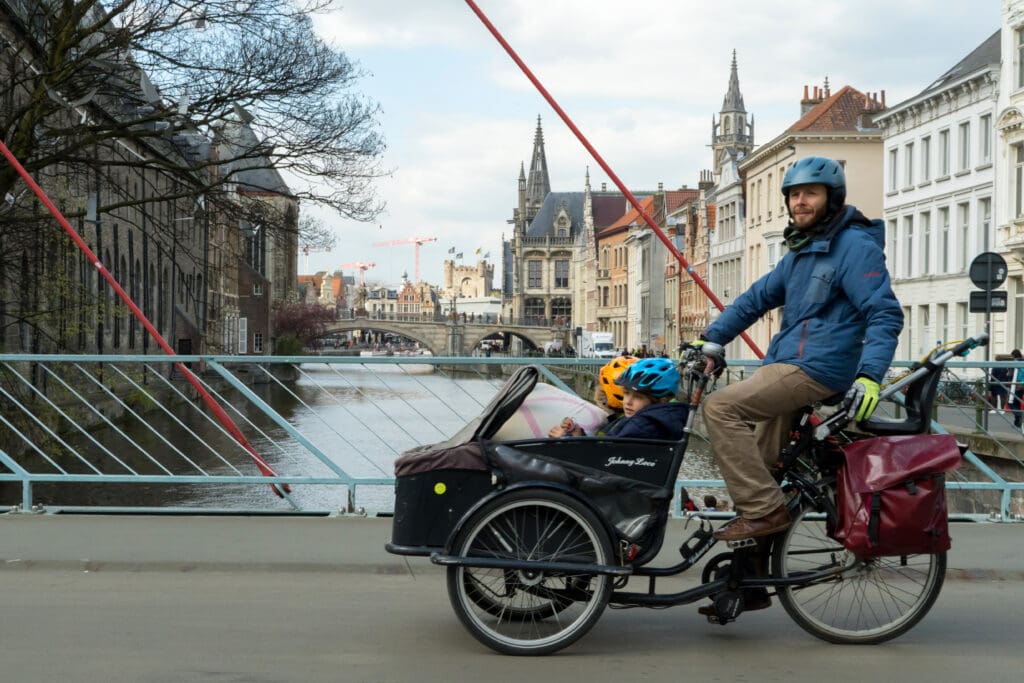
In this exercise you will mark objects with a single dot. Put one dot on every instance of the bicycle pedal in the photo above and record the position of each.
(742, 543)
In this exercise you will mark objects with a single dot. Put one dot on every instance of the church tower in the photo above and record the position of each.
(538, 185)
(732, 131)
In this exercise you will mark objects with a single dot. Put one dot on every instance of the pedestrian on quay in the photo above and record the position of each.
(1017, 391)
(999, 388)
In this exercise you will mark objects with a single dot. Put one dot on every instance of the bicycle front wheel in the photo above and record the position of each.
(866, 600)
(531, 611)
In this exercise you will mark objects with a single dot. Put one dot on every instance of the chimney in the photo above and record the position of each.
(604, 187)
(883, 99)
(808, 103)
(661, 187)
(706, 180)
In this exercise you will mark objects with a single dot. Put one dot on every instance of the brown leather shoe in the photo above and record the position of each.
(742, 528)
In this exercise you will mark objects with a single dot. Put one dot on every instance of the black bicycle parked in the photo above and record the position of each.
(540, 536)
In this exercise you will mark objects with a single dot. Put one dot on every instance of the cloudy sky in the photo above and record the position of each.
(640, 79)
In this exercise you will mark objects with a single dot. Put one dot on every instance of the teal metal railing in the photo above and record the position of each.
(123, 433)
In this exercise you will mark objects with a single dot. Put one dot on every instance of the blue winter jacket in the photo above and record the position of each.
(840, 317)
(655, 421)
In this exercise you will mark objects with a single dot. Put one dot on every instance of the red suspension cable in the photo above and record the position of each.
(221, 415)
(611, 174)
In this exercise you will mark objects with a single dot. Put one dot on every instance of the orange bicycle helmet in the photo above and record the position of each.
(609, 373)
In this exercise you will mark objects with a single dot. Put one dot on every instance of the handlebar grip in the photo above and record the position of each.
(966, 345)
(713, 351)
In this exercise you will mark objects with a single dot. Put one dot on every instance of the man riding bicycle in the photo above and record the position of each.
(840, 326)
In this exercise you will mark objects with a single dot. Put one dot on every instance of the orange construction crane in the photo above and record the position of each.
(409, 240)
(362, 270)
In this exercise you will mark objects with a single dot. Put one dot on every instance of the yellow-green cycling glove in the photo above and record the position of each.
(862, 398)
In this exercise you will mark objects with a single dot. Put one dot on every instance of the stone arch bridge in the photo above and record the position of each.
(447, 338)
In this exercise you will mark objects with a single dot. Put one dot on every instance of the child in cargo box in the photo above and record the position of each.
(646, 391)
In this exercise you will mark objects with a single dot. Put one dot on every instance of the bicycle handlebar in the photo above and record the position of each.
(842, 418)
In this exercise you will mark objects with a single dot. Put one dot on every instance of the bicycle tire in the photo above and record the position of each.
(868, 601)
(523, 612)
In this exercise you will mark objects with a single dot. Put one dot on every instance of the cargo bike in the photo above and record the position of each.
(539, 536)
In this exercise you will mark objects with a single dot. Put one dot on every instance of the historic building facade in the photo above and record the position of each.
(1009, 171)
(938, 188)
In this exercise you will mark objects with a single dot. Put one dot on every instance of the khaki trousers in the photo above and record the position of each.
(748, 424)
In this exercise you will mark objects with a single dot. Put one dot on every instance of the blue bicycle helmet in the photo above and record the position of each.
(655, 377)
(818, 170)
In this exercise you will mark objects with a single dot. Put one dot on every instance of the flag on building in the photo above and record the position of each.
(479, 249)
(487, 255)
(459, 255)
(452, 250)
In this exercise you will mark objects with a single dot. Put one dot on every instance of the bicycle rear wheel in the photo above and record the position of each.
(530, 611)
(867, 600)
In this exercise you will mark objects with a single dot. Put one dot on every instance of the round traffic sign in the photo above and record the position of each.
(987, 271)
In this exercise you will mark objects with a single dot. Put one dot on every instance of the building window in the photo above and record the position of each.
(985, 139)
(892, 244)
(257, 342)
(942, 322)
(908, 332)
(963, 319)
(926, 159)
(533, 273)
(964, 157)
(924, 329)
(893, 184)
(926, 243)
(963, 215)
(772, 247)
(1020, 58)
(1018, 179)
(257, 289)
(944, 239)
(534, 308)
(243, 334)
(943, 152)
(561, 274)
(561, 307)
(908, 234)
(908, 163)
(985, 214)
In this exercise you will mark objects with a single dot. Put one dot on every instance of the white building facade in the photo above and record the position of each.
(939, 199)
(1009, 142)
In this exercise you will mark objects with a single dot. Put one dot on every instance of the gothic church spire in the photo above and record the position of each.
(538, 185)
(733, 133)
(733, 97)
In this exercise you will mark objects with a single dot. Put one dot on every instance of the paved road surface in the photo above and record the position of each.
(253, 600)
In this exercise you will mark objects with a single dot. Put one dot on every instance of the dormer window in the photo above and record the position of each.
(562, 223)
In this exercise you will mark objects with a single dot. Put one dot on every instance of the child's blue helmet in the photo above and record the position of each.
(828, 172)
(657, 377)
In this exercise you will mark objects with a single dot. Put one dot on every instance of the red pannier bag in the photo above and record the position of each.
(891, 495)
